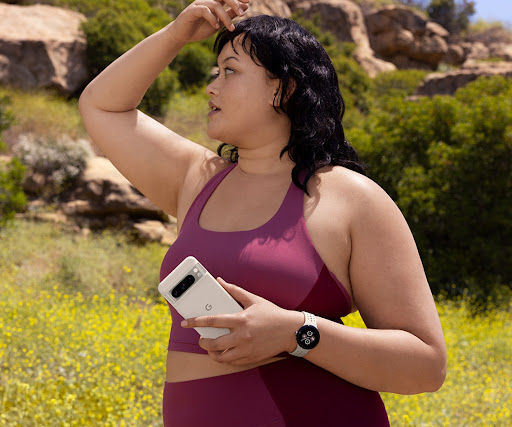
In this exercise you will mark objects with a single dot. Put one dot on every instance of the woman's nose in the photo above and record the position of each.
(212, 87)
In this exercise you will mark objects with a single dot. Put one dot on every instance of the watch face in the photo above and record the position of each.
(308, 337)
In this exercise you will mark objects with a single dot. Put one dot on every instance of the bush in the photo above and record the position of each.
(447, 162)
(116, 29)
(12, 197)
(6, 117)
(158, 94)
(60, 161)
(401, 83)
(194, 64)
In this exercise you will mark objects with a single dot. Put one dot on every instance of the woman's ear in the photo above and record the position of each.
(292, 85)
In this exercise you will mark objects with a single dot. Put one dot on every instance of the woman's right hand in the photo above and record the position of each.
(203, 18)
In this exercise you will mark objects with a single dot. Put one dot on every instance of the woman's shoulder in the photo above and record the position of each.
(351, 195)
(352, 186)
(360, 200)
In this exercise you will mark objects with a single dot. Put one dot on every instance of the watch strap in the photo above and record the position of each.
(309, 319)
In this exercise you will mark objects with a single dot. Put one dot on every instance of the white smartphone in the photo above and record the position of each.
(194, 292)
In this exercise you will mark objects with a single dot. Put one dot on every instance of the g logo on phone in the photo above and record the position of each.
(208, 307)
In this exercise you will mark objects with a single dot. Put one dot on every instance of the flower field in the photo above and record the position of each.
(75, 359)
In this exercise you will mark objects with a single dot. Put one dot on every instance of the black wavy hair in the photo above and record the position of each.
(315, 108)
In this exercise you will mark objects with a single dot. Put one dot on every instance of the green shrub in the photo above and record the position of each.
(447, 162)
(158, 94)
(12, 197)
(60, 161)
(6, 117)
(118, 27)
(398, 83)
(194, 64)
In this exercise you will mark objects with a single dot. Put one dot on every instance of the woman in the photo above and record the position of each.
(288, 220)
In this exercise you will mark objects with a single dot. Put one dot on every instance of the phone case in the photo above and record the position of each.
(204, 297)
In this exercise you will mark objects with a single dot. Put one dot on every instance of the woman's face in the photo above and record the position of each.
(241, 99)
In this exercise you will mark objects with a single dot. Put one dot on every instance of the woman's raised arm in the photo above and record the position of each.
(153, 158)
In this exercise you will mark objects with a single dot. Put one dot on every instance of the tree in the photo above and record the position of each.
(451, 15)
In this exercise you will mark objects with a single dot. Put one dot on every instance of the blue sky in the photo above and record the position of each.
(494, 10)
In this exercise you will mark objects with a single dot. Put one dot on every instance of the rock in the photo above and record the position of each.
(269, 7)
(345, 20)
(501, 50)
(475, 51)
(102, 191)
(155, 231)
(406, 38)
(454, 55)
(448, 83)
(34, 183)
(42, 47)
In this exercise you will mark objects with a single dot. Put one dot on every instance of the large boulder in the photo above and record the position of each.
(42, 47)
(345, 20)
(103, 191)
(406, 38)
(448, 83)
(269, 7)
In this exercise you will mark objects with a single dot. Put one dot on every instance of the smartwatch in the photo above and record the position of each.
(307, 336)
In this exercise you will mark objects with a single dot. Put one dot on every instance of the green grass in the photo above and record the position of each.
(83, 339)
(40, 254)
(44, 113)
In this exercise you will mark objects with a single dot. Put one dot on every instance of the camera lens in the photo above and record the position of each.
(181, 287)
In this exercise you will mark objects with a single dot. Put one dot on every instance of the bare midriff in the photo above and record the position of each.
(183, 366)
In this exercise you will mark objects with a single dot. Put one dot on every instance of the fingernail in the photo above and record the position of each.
(240, 11)
(184, 323)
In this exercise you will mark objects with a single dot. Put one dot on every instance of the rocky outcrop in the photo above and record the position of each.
(448, 83)
(269, 7)
(42, 47)
(345, 20)
(406, 37)
(103, 197)
(501, 50)
(102, 191)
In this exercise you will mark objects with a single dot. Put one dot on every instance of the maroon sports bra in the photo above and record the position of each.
(276, 261)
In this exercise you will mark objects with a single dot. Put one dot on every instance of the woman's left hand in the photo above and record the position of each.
(262, 330)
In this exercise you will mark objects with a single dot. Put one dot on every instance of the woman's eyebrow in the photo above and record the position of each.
(230, 57)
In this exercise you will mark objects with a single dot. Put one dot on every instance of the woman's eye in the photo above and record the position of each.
(217, 74)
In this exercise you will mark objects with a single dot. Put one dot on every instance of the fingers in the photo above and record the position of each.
(218, 344)
(207, 14)
(232, 356)
(236, 8)
(217, 321)
(244, 297)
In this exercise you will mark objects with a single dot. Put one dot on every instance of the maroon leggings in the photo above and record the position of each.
(290, 392)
